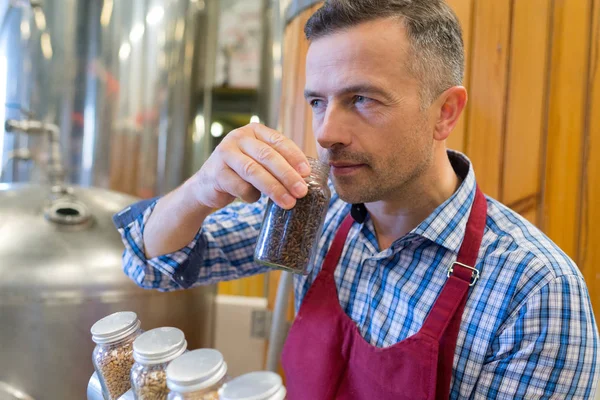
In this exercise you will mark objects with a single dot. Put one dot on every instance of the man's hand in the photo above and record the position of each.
(249, 161)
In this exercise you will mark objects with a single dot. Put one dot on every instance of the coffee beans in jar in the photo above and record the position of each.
(288, 238)
(153, 351)
(113, 356)
(197, 375)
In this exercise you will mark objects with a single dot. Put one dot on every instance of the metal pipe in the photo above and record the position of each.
(18, 155)
(55, 169)
(279, 324)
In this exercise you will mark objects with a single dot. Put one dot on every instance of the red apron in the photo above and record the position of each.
(325, 357)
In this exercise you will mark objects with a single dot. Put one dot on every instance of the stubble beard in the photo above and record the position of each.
(393, 178)
(381, 184)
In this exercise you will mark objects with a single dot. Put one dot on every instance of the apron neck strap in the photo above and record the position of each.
(469, 250)
(337, 246)
(461, 275)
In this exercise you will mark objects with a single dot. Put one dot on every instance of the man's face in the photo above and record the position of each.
(367, 115)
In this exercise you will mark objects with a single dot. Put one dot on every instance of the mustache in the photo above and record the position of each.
(345, 156)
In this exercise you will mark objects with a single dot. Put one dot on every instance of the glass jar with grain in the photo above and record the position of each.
(153, 351)
(288, 238)
(113, 355)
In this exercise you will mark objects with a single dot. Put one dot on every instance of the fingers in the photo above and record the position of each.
(230, 182)
(284, 146)
(275, 164)
(250, 171)
(255, 159)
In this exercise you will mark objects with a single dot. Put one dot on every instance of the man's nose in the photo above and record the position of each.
(333, 129)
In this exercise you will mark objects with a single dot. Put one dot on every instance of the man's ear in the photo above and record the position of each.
(450, 104)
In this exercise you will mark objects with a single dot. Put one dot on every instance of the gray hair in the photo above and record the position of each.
(434, 33)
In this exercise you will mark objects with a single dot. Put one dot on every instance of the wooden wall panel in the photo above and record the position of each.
(464, 12)
(291, 64)
(531, 215)
(300, 110)
(253, 286)
(489, 73)
(309, 143)
(589, 243)
(568, 89)
(526, 100)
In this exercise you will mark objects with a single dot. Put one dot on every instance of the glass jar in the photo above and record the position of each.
(113, 356)
(153, 351)
(197, 375)
(288, 238)
(261, 385)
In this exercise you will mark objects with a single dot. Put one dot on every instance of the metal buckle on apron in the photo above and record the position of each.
(474, 276)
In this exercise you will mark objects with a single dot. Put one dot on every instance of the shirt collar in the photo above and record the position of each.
(446, 225)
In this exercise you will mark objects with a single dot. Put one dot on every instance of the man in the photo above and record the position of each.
(383, 78)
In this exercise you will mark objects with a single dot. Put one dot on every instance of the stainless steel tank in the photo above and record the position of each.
(108, 87)
(123, 80)
(60, 271)
(125, 87)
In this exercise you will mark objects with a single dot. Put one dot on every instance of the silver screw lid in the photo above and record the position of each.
(196, 370)
(261, 385)
(115, 327)
(159, 346)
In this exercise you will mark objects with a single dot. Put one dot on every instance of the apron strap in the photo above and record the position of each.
(462, 273)
(443, 321)
(337, 246)
(469, 250)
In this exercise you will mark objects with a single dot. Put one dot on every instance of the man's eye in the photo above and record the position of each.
(360, 99)
(315, 103)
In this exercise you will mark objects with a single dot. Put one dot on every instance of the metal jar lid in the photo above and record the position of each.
(115, 327)
(261, 385)
(196, 370)
(159, 346)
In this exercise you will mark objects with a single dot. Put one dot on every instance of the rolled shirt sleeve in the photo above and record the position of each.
(222, 250)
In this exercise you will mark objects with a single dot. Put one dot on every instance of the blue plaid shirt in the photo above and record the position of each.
(527, 332)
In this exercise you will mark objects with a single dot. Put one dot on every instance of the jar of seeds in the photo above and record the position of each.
(153, 351)
(288, 238)
(260, 385)
(113, 356)
(197, 375)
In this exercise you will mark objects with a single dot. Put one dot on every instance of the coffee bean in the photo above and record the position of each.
(288, 238)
